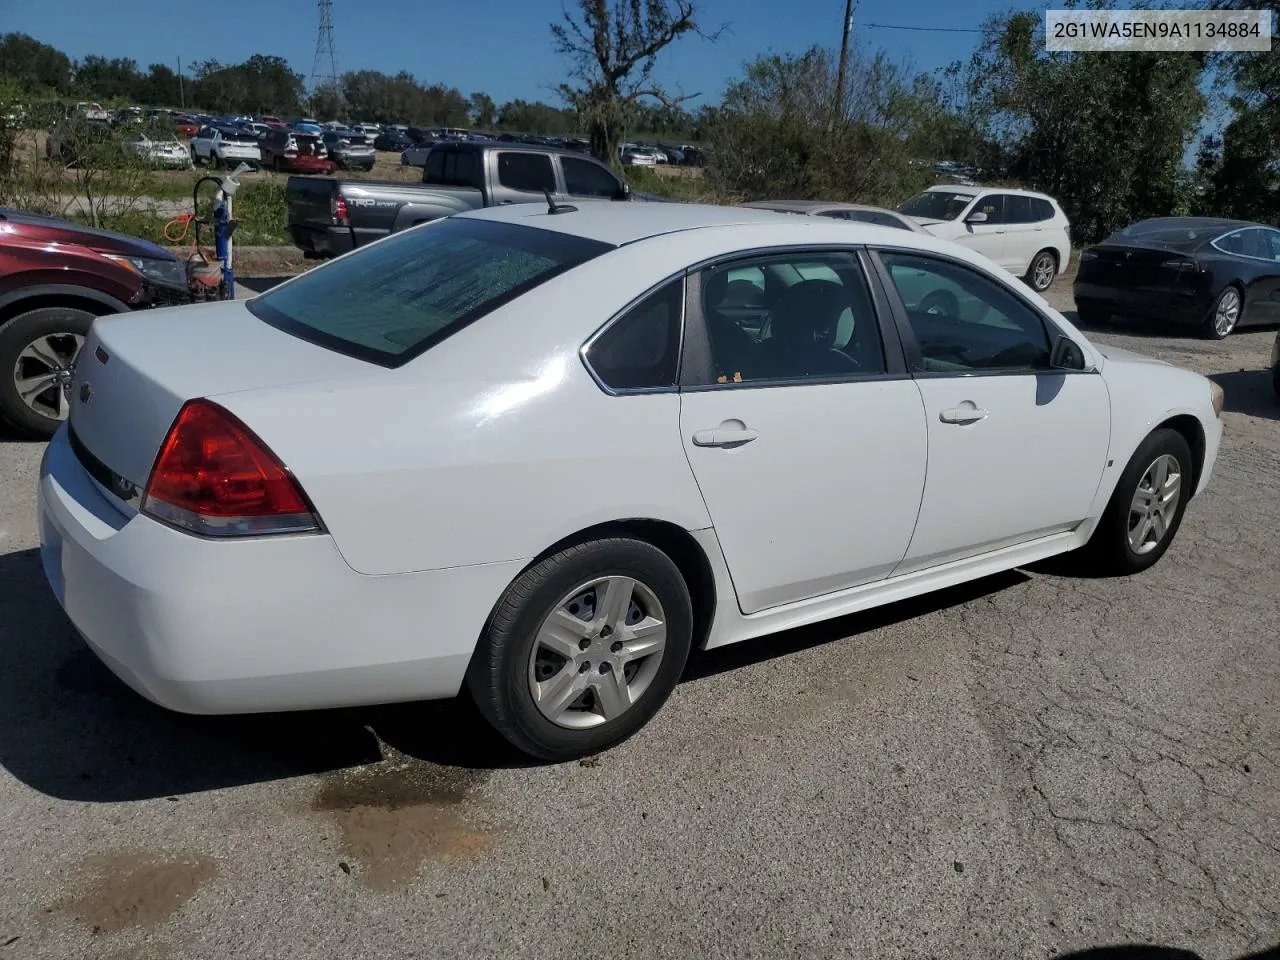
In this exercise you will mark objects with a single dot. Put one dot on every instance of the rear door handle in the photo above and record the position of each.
(724, 436)
(968, 414)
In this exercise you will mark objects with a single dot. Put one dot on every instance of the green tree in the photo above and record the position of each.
(612, 49)
(37, 67)
(524, 116)
(105, 79)
(262, 84)
(484, 112)
(773, 136)
(1105, 133)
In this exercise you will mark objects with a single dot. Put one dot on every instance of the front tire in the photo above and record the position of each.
(1043, 268)
(38, 351)
(1225, 314)
(583, 648)
(1146, 509)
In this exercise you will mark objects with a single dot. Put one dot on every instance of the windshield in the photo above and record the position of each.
(937, 205)
(395, 299)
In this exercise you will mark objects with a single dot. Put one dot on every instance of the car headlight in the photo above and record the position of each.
(1216, 395)
(171, 273)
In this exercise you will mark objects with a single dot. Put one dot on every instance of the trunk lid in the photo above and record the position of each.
(1116, 264)
(136, 370)
(309, 200)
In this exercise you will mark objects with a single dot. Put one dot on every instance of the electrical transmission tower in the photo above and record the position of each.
(324, 71)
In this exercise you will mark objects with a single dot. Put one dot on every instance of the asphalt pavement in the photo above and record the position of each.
(1026, 766)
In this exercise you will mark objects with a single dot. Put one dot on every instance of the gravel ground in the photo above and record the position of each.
(1023, 767)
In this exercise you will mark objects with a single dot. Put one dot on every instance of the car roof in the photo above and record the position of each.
(1192, 223)
(965, 190)
(622, 222)
(798, 206)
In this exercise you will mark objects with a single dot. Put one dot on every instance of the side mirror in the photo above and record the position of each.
(976, 217)
(624, 192)
(1066, 354)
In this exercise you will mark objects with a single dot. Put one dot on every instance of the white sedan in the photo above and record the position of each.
(544, 453)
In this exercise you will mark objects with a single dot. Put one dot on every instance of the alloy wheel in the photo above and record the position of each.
(1227, 313)
(597, 652)
(43, 371)
(1042, 272)
(1155, 504)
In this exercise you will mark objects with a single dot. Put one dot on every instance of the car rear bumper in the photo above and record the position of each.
(332, 241)
(1175, 307)
(265, 624)
(306, 164)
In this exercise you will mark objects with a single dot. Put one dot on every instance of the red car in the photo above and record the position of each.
(55, 278)
(275, 122)
(185, 126)
(293, 152)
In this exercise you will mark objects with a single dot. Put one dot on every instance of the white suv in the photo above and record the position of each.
(1026, 233)
(225, 147)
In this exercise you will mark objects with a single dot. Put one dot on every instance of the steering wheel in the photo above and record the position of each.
(941, 303)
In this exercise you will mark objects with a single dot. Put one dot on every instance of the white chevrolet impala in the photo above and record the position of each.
(543, 453)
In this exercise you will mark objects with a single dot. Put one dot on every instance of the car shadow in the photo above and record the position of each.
(1249, 392)
(1138, 951)
(1133, 327)
(70, 729)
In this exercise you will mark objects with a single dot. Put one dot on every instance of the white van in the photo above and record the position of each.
(1026, 233)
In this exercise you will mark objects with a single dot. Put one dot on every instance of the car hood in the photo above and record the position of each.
(103, 241)
(1120, 355)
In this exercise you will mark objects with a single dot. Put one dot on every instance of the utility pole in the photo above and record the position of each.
(182, 95)
(849, 6)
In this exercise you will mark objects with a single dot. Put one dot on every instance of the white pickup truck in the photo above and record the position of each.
(225, 147)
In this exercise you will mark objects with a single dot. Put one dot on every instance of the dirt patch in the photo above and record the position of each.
(131, 889)
(392, 820)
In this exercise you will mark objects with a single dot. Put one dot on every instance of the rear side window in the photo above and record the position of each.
(393, 300)
(586, 179)
(642, 348)
(1041, 209)
(526, 171)
(1017, 209)
(452, 168)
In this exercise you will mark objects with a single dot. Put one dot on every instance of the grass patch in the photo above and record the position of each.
(259, 207)
(688, 189)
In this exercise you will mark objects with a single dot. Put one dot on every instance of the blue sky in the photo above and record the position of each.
(502, 47)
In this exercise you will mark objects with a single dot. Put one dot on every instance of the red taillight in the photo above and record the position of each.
(214, 477)
(339, 205)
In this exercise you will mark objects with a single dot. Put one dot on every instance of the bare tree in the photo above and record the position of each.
(613, 47)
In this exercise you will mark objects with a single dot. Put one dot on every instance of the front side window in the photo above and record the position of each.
(526, 171)
(993, 206)
(964, 322)
(392, 300)
(586, 179)
(641, 350)
(793, 317)
(937, 205)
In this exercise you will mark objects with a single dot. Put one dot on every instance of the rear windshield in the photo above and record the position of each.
(397, 298)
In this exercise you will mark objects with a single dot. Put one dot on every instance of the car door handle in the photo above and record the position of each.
(724, 436)
(962, 415)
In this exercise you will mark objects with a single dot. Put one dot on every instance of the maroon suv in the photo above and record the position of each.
(55, 277)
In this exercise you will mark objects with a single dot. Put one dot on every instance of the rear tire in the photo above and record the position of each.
(39, 348)
(195, 158)
(1225, 315)
(1119, 546)
(560, 700)
(277, 164)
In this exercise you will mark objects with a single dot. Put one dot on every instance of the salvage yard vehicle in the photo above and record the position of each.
(339, 459)
(328, 217)
(225, 146)
(349, 150)
(291, 151)
(1026, 233)
(1211, 274)
(840, 211)
(158, 152)
(55, 277)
